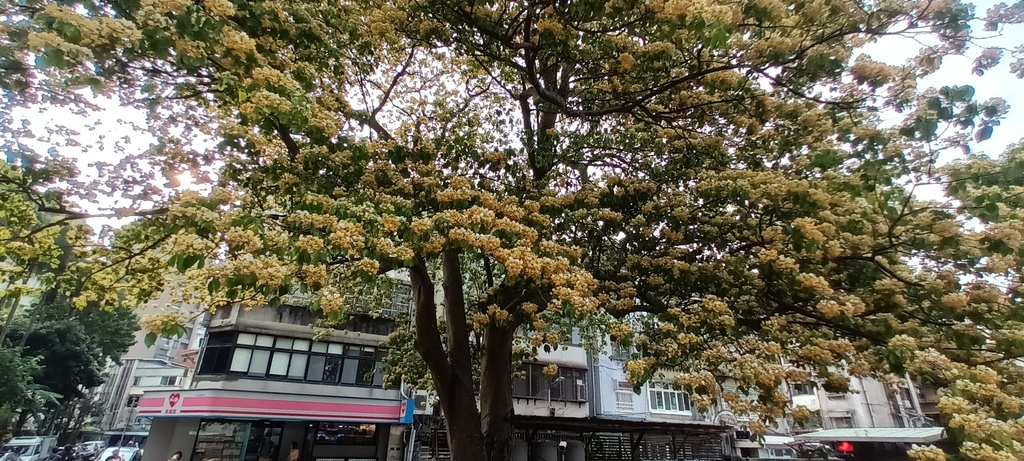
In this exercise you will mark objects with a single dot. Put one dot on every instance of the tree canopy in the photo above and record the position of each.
(710, 183)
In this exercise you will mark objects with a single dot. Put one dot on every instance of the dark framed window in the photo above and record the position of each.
(346, 434)
(568, 385)
(217, 353)
(293, 359)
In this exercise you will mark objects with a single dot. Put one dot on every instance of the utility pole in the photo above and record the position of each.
(133, 401)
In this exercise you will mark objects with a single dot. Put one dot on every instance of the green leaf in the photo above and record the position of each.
(150, 339)
(213, 285)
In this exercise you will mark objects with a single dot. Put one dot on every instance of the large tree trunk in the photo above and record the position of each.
(495, 392)
(452, 371)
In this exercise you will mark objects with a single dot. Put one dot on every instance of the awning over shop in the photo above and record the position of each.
(777, 440)
(547, 423)
(217, 403)
(876, 434)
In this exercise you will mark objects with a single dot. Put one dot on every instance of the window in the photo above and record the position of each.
(801, 388)
(136, 381)
(270, 357)
(570, 384)
(168, 380)
(240, 361)
(620, 353)
(841, 422)
(217, 353)
(664, 398)
(346, 434)
(624, 397)
(783, 452)
(401, 302)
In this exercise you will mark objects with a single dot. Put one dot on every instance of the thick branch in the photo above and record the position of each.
(394, 83)
(428, 334)
(286, 138)
(455, 313)
(882, 267)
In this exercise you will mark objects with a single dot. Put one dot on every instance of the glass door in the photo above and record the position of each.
(264, 443)
(221, 441)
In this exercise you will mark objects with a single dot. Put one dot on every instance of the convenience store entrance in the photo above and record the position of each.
(238, 441)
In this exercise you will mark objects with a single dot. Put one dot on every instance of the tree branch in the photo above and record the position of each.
(428, 334)
(455, 313)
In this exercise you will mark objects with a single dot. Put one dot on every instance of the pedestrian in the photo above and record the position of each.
(266, 450)
(176, 456)
(294, 454)
(68, 454)
(115, 456)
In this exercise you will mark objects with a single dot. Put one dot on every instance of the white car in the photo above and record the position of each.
(9, 456)
(126, 453)
(91, 447)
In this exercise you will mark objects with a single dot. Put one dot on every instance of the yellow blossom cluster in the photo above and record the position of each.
(271, 272)
(332, 301)
(242, 240)
(926, 453)
(309, 243)
(222, 8)
(155, 323)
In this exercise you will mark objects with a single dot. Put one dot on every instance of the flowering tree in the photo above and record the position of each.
(705, 181)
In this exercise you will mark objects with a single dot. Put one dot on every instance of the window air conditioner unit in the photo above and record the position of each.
(423, 403)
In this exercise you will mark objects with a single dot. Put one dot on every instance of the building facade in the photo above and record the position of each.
(265, 383)
(874, 421)
(168, 365)
(585, 412)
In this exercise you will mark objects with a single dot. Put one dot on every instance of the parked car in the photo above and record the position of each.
(127, 453)
(87, 451)
(30, 448)
(9, 456)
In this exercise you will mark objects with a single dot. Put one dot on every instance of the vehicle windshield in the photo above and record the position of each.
(20, 450)
(126, 453)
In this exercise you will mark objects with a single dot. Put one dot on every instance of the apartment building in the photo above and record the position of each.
(667, 424)
(265, 381)
(168, 365)
(586, 412)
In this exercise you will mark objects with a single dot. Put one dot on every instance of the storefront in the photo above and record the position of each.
(221, 425)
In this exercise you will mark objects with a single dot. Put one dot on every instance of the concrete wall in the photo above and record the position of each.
(563, 356)
(867, 405)
(284, 321)
(293, 432)
(607, 373)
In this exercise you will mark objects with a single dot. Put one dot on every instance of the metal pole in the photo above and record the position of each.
(124, 430)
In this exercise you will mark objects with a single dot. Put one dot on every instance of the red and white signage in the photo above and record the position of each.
(216, 403)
